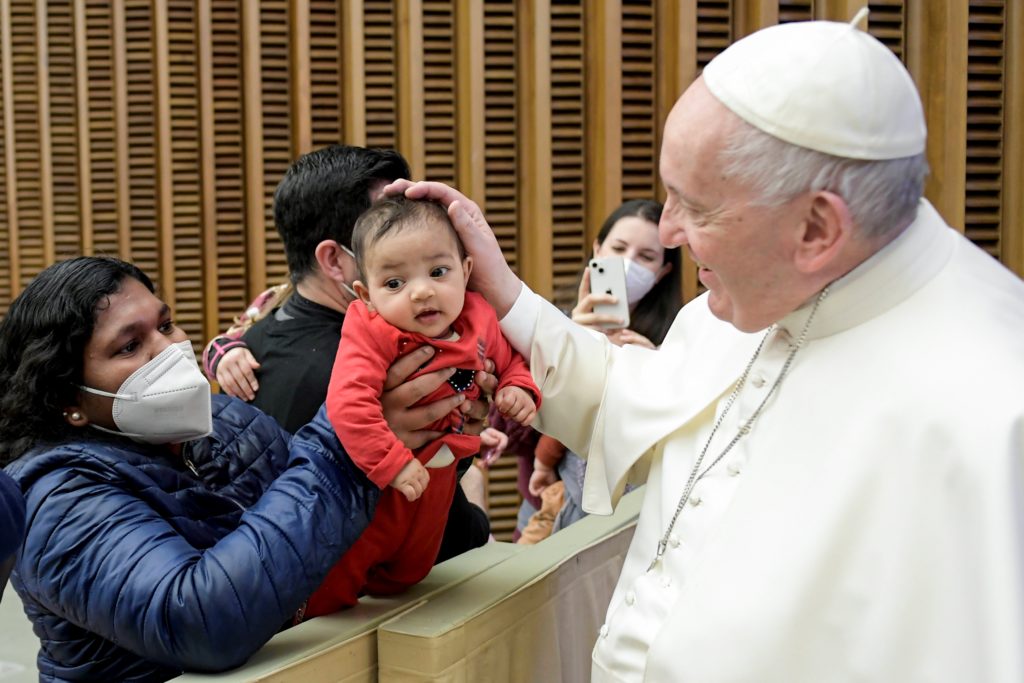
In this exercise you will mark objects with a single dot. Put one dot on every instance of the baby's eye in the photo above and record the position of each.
(392, 284)
(439, 271)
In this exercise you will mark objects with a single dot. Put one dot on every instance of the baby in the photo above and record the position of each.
(412, 291)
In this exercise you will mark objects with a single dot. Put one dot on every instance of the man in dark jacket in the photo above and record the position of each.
(12, 525)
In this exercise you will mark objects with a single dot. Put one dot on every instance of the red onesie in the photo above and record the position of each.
(401, 543)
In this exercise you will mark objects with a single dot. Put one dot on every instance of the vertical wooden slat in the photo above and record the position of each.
(230, 188)
(326, 56)
(469, 79)
(752, 15)
(568, 150)
(409, 63)
(84, 152)
(64, 136)
(10, 169)
(502, 144)
(164, 180)
(1013, 140)
(353, 73)
(440, 134)
(715, 30)
(677, 68)
(207, 168)
(45, 141)
(639, 100)
(252, 98)
(534, 104)
(939, 68)
(121, 176)
(276, 139)
(796, 10)
(603, 122)
(301, 90)
(837, 10)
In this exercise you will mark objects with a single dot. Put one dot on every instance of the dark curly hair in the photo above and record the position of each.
(42, 347)
(655, 313)
(323, 193)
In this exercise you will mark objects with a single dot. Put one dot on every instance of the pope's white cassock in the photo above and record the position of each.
(870, 527)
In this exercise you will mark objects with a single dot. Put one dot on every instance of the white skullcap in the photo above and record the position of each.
(823, 85)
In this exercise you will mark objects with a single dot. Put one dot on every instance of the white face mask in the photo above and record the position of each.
(639, 281)
(167, 400)
(344, 285)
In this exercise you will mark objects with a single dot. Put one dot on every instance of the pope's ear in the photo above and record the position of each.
(825, 231)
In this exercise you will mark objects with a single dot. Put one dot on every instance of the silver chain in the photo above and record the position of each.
(695, 473)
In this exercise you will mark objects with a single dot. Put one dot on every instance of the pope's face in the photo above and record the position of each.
(743, 251)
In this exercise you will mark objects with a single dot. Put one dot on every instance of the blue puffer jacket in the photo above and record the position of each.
(136, 568)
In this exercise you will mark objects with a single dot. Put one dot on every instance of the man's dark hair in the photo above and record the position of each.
(42, 347)
(323, 193)
(390, 215)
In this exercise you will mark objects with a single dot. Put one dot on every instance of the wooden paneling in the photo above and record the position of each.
(639, 102)
(569, 243)
(158, 131)
(986, 75)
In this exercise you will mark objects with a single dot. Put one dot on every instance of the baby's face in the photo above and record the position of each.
(416, 280)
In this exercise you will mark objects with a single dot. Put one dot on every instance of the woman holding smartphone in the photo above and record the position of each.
(654, 296)
(631, 232)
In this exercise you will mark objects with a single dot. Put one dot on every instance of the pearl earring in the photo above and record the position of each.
(74, 416)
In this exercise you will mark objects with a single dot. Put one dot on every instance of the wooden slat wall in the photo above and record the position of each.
(157, 130)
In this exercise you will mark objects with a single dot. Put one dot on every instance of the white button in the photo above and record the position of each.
(694, 500)
(733, 468)
(757, 380)
(673, 541)
(630, 598)
(604, 630)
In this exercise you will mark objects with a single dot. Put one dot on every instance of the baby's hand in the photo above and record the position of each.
(411, 480)
(492, 444)
(515, 404)
(542, 477)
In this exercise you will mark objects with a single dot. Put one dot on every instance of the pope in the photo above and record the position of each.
(832, 436)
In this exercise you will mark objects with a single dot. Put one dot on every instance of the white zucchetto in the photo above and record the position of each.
(822, 85)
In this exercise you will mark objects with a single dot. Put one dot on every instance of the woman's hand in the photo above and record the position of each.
(625, 336)
(409, 423)
(236, 373)
(583, 313)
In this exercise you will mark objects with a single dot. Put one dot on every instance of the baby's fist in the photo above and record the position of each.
(411, 480)
(516, 404)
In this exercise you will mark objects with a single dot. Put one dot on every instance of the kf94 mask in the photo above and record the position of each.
(167, 400)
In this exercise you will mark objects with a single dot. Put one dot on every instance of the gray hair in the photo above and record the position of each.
(882, 195)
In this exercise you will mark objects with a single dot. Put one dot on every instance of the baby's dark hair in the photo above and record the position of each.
(391, 215)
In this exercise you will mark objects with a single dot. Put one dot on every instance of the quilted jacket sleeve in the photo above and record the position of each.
(133, 579)
(12, 517)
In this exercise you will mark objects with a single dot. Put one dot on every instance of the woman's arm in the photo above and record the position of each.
(100, 556)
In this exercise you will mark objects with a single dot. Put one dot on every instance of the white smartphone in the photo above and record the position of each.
(608, 276)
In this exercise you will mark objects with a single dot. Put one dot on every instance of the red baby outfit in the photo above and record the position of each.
(400, 545)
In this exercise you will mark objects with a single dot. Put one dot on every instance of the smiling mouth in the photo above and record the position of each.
(427, 314)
